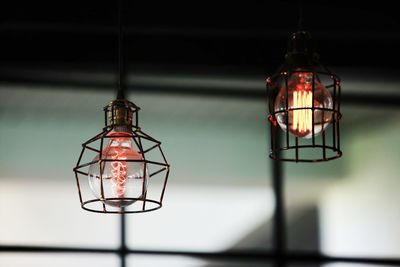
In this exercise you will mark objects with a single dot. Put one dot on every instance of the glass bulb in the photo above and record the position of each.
(121, 179)
(300, 95)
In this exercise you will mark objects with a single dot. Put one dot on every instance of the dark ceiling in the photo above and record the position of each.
(246, 34)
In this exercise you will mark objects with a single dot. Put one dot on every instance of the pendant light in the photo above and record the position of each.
(304, 105)
(118, 168)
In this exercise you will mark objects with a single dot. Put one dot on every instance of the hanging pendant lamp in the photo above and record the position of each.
(122, 169)
(304, 105)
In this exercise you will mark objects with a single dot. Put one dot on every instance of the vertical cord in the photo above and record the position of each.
(121, 95)
(120, 84)
(300, 25)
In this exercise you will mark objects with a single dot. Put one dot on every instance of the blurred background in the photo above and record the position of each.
(197, 71)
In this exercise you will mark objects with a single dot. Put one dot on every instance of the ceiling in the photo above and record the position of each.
(46, 42)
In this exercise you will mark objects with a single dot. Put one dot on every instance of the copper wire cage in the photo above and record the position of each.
(117, 113)
(285, 146)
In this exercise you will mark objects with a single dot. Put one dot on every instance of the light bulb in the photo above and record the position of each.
(300, 95)
(121, 179)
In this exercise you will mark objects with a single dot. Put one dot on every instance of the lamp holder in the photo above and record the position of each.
(120, 113)
(301, 52)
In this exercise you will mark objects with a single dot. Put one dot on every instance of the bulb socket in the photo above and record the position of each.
(301, 43)
(119, 113)
(301, 53)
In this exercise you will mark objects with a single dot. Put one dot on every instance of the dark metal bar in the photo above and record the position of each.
(144, 182)
(334, 116)
(105, 119)
(140, 145)
(312, 109)
(317, 257)
(85, 165)
(151, 148)
(226, 255)
(102, 165)
(54, 249)
(157, 205)
(137, 144)
(80, 157)
(137, 118)
(323, 140)
(164, 186)
(323, 133)
(271, 118)
(163, 156)
(338, 116)
(134, 160)
(146, 136)
(144, 197)
(96, 137)
(287, 111)
(79, 187)
(340, 96)
(81, 172)
(157, 172)
(302, 108)
(166, 175)
(93, 149)
(77, 176)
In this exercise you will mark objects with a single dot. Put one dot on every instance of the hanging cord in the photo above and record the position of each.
(301, 16)
(120, 83)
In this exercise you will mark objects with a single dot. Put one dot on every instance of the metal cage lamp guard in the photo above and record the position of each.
(117, 169)
(121, 117)
(304, 102)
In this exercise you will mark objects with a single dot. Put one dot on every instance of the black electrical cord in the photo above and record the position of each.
(120, 83)
(300, 23)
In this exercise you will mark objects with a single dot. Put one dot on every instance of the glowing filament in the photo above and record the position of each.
(302, 115)
(119, 174)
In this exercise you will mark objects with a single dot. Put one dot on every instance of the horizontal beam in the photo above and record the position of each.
(267, 34)
(55, 249)
(226, 255)
(348, 98)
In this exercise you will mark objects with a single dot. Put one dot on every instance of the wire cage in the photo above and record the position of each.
(323, 140)
(121, 117)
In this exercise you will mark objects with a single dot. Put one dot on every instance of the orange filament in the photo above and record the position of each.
(302, 118)
(119, 174)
